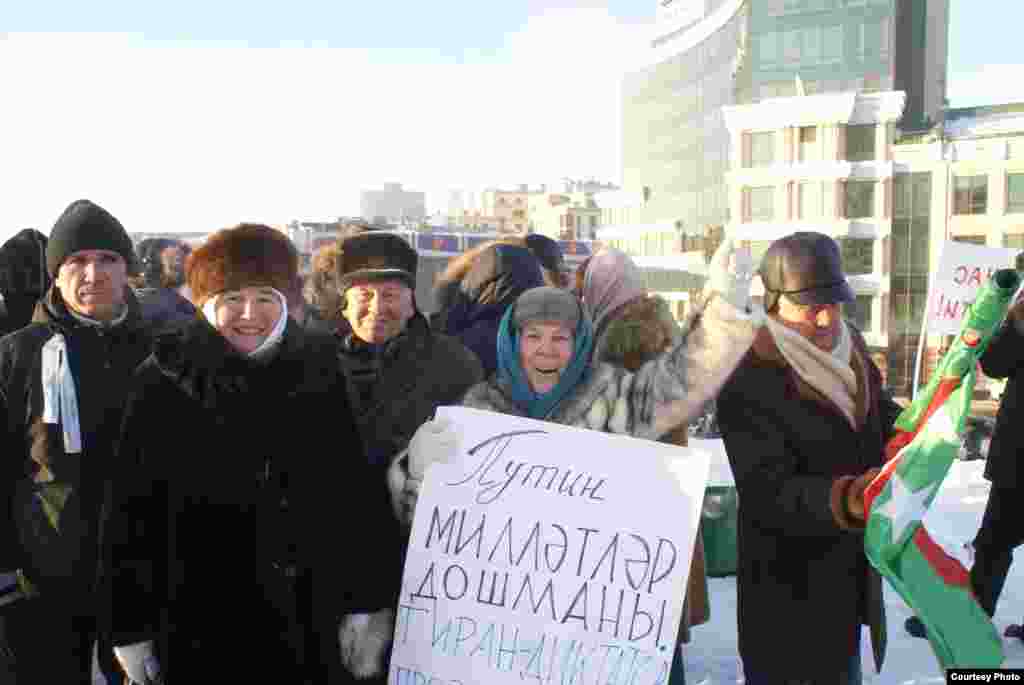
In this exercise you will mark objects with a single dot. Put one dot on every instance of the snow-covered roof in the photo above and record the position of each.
(985, 121)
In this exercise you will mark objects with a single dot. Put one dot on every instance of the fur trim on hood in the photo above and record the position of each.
(636, 332)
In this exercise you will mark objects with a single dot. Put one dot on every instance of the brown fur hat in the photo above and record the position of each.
(240, 257)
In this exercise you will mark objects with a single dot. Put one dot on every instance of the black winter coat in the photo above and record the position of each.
(395, 387)
(1004, 358)
(61, 561)
(804, 585)
(233, 473)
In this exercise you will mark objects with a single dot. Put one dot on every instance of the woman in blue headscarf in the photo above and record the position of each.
(545, 369)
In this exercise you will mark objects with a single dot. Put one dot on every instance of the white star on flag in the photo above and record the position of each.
(904, 507)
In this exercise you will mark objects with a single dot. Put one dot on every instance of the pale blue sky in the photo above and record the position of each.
(154, 111)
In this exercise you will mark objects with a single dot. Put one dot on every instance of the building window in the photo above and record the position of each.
(761, 203)
(768, 52)
(970, 239)
(860, 199)
(810, 52)
(1015, 240)
(1014, 193)
(860, 143)
(809, 144)
(858, 312)
(970, 194)
(883, 40)
(857, 255)
(762, 148)
(832, 45)
(791, 47)
(810, 201)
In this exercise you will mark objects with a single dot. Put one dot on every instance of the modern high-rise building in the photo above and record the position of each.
(709, 53)
(851, 46)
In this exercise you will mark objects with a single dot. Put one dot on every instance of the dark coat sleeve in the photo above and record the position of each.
(889, 410)
(11, 471)
(135, 535)
(14, 453)
(354, 563)
(765, 469)
(1005, 353)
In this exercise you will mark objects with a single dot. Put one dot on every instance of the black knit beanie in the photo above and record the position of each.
(85, 225)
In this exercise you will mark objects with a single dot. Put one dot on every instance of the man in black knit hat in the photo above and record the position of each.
(63, 385)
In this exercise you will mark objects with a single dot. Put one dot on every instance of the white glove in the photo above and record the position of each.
(139, 663)
(364, 640)
(434, 441)
(403, 488)
(730, 274)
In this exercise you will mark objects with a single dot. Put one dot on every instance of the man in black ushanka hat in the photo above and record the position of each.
(399, 371)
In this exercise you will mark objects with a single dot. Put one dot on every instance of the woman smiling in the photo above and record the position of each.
(545, 369)
(212, 530)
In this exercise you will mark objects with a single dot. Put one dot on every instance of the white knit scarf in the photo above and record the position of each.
(276, 334)
(830, 373)
(60, 399)
(60, 402)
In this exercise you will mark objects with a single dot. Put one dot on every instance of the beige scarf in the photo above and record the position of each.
(829, 373)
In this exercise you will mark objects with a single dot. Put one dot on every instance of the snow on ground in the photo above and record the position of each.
(712, 657)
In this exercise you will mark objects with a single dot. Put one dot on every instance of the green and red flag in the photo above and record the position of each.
(928, 436)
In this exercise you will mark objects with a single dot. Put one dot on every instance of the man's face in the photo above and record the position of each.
(172, 259)
(92, 283)
(817, 323)
(378, 310)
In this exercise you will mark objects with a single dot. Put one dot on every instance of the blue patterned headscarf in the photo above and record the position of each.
(510, 372)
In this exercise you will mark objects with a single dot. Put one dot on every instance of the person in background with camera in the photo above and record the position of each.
(162, 277)
(23, 278)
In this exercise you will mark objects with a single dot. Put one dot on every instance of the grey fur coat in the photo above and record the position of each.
(666, 391)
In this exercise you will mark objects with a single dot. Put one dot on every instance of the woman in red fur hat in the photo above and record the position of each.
(222, 570)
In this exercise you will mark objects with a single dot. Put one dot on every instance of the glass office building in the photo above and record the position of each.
(675, 145)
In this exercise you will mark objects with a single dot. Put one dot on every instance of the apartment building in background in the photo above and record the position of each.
(962, 181)
(393, 205)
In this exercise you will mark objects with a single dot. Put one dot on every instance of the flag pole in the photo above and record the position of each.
(920, 346)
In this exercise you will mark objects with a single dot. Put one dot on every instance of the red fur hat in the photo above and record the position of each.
(240, 257)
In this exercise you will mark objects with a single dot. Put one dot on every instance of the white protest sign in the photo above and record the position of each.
(963, 269)
(549, 554)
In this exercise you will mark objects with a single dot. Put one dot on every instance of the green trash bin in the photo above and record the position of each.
(718, 522)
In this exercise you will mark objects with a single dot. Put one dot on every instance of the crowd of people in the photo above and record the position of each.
(212, 465)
